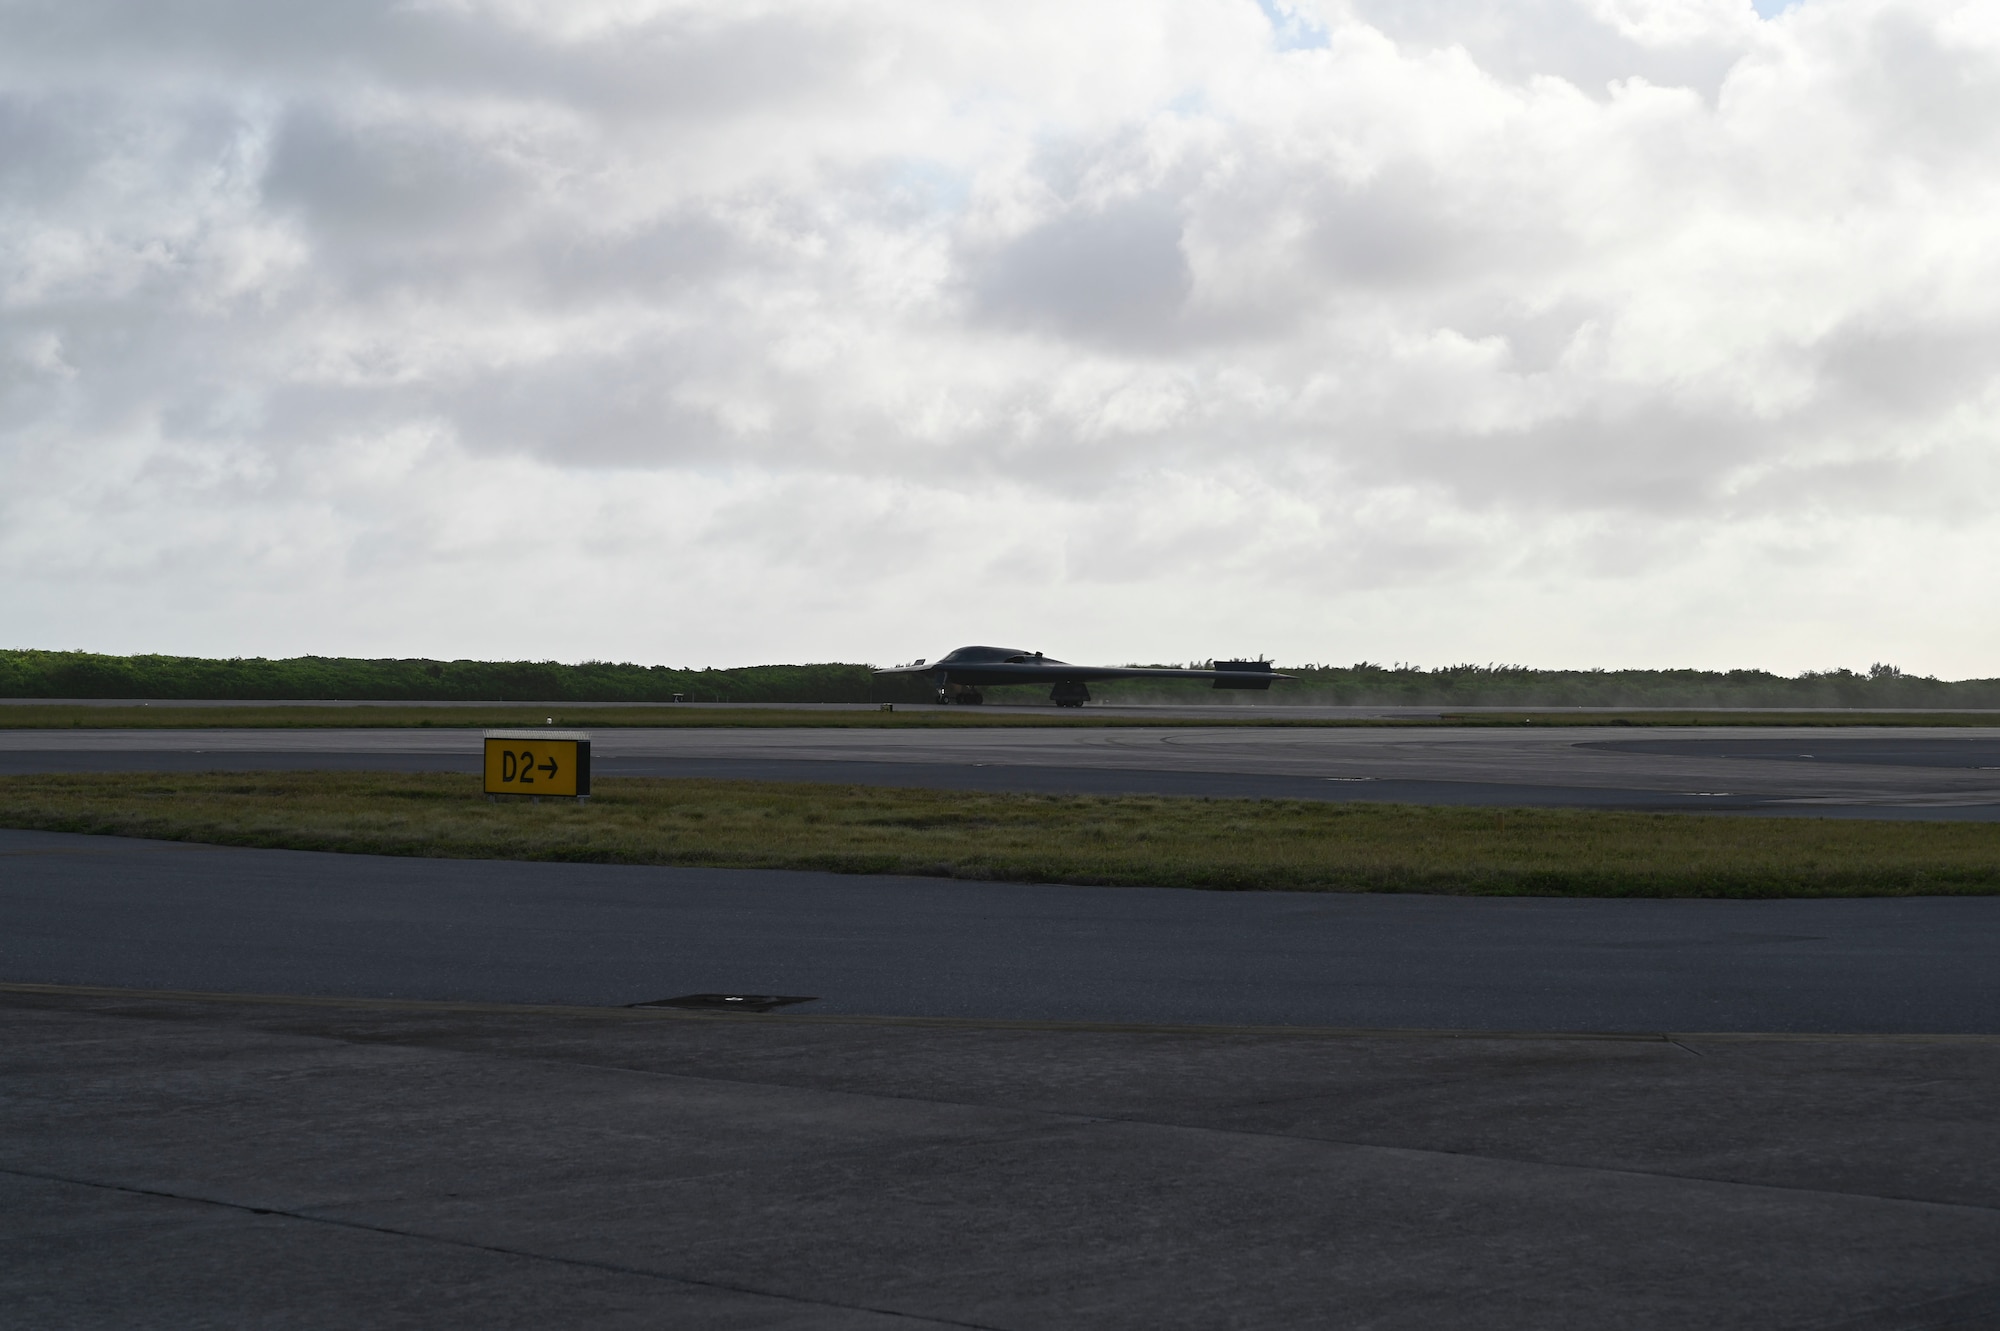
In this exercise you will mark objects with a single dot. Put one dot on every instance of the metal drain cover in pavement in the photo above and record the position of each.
(729, 1002)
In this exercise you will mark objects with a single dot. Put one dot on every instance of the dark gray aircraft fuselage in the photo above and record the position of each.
(959, 674)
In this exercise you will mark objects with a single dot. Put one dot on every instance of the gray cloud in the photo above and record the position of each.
(798, 330)
(407, 184)
(1116, 274)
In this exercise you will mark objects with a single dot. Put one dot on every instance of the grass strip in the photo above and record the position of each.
(1137, 840)
(1695, 717)
(396, 716)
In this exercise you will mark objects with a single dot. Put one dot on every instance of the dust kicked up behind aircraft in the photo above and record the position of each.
(960, 674)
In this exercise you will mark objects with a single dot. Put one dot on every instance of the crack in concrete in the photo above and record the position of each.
(498, 1249)
(1082, 1119)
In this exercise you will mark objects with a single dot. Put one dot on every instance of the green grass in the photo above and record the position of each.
(1712, 717)
(1196, 843)
(306, 716)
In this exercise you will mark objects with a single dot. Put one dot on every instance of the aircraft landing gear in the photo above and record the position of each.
(1069, 693)
(962, 694)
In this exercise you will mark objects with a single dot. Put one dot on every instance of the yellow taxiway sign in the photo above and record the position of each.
(538, 762)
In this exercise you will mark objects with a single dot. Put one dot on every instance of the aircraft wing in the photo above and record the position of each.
(1225, 674)
(1030, 672)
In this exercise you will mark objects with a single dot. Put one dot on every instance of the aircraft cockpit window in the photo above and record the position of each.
(984, 654)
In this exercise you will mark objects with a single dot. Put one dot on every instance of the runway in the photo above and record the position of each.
(1858, 772)
(1007, 1105)
(111, 911)
(276, 921)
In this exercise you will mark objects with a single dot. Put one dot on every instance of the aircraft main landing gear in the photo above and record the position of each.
(1069, 693)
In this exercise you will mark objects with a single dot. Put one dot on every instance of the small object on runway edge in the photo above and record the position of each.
(729, 1002)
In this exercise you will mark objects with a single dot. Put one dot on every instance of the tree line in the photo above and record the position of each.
(46, 674)
(1366, 684)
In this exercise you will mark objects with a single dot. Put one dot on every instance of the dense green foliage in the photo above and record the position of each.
(40, 674)
(1881, 686)
(165, 715)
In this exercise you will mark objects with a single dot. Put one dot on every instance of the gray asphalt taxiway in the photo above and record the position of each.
(249, 1088)
(407, 1093)
(1869, 772)
(132, 913)
(174, 1162)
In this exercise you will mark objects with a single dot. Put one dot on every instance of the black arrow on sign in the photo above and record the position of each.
(549, 767)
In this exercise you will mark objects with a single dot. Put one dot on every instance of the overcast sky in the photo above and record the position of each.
(1564, 332)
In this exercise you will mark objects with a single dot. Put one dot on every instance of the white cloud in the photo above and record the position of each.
(1577, 332)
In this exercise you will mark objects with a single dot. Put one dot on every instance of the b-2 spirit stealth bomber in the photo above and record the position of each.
(960, 674)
